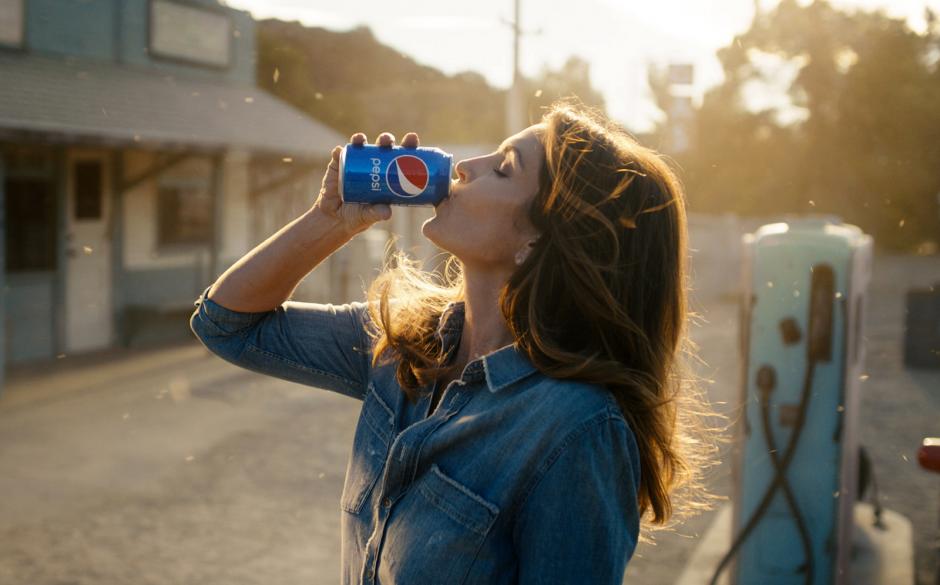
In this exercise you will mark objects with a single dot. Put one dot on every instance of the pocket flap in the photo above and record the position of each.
(458, 501)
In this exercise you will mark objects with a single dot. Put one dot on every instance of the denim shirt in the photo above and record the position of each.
(515, 477)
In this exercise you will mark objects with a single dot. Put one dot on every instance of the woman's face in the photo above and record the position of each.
(484, 222)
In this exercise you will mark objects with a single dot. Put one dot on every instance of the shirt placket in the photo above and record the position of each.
(402, 465)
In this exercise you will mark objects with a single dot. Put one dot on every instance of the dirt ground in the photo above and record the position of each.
(172, 467)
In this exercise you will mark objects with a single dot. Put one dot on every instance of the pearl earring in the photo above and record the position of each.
(521, 255)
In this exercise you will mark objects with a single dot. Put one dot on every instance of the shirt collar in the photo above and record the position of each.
(501, 368)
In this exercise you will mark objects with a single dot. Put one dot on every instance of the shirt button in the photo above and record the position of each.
(387, 502)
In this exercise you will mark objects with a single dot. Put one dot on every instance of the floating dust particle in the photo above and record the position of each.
(321, 475)
(249, 100)
(189, 458)
(277, 74)
(125, 416)
(840, 408)
(87, 250)
(901, 223)
(179, 389)
(318, 96)
(838, 295)
(812, 203)
(770, 284)
(287, 159)
(538, 93)
(60, 356)
(905, 457)
(863, 377)
(796, 293)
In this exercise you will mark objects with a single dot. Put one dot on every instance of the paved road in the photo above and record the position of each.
(172, 467)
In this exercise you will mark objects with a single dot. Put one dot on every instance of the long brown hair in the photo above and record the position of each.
(602, 297)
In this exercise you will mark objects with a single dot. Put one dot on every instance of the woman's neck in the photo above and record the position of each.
(484, 329)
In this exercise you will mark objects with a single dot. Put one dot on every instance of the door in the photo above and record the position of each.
(88, 312)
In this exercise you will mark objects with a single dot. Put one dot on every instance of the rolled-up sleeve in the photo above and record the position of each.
(320, 345)
(580, 521)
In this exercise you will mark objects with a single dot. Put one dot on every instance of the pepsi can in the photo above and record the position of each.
(395, 175)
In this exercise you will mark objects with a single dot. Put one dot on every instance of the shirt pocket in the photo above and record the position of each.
(437, 531)
(374, 434)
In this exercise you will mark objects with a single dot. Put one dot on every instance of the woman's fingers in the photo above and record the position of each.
(386, 139)
(378, 212)
(334, 163)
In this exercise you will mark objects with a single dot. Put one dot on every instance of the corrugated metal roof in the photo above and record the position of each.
(106, 102)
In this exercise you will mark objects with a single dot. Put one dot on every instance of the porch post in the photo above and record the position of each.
(217, 194)
(3, 273)
(117, 246)
(63, 251)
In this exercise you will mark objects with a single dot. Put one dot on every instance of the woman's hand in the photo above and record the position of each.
(355, 217)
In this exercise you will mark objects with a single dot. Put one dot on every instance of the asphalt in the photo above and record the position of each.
(170, 466)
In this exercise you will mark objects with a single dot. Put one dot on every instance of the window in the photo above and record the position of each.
(30, 225)
(87, 175)
(184, 214)
(189, 33)
(11, 23)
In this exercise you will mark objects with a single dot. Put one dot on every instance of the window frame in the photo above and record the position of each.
(159, 55)
(165, 245)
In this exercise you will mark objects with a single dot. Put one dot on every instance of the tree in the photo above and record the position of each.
(374, 88)
(573, 79)
(869, 148)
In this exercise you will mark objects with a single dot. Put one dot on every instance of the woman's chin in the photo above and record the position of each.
(433, 230)
(429, 228)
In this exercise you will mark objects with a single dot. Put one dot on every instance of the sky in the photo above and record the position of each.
(618, 38)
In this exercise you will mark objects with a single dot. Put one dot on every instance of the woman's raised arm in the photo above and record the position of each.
(246, 319)
(266, 276)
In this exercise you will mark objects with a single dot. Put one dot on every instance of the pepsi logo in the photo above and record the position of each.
(407, 176)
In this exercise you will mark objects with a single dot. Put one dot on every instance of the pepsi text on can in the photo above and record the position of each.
(394, 175)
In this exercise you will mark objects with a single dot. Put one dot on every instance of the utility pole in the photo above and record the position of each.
(515, 107)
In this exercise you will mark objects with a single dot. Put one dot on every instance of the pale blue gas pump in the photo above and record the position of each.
(796, 467)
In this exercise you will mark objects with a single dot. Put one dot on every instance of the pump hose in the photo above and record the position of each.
(779, 479)
(787, 489)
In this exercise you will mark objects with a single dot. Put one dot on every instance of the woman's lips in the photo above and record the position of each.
(450, 194)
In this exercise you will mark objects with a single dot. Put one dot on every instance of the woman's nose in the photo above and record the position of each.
(461, 169)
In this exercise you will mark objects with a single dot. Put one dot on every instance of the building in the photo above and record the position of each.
(138, 160)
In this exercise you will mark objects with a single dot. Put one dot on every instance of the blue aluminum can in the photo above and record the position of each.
(394, 175)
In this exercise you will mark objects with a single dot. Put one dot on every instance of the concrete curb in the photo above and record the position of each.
(880, 556)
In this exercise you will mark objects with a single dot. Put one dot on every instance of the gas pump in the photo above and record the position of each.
(796, 468)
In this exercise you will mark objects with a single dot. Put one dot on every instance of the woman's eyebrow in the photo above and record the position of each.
(504, 149)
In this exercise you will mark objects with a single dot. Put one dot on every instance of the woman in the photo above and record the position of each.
(521, 414)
